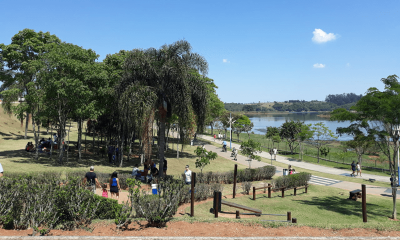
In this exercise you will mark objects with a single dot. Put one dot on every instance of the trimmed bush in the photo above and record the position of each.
(291, 181)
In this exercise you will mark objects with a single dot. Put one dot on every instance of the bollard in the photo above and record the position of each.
(364, 202)
(237, 215)
(216, 204)
(269, 190)
(295, 191)
(283, 192)
(254, 193)
(289, 216)
(294, 220)
(192, 195)
(306, 188)
(234, 180)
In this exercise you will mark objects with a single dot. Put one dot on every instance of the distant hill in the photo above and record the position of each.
(332, 101)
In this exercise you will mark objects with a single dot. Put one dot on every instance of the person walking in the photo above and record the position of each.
(353, 168)
(1, 170)
(114, 185)
(358, 168)
(275, 151)
(110, 152)
(91, 180)
(188, 175)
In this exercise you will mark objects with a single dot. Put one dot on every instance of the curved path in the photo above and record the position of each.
(381, 191)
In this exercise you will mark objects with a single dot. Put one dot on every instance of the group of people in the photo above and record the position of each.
(149, 168)
(91, 181)
(273, 152)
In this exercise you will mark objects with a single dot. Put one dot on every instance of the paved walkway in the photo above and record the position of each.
(381, 191)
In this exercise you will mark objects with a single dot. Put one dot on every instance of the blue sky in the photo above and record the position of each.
(256, 50)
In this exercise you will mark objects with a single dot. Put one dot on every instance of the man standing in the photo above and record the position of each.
(91, 179)
(188, 175)
(275, 152)
(1, 170)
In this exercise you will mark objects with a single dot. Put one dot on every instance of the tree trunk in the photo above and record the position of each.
(79, 139)
(212, 129)
(161, 140)
(36, 137)
(26, 125)
(177, 143)
(61, 138)
(318, 154)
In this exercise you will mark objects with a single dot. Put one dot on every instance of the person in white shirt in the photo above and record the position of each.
(1, 170)
(275, 152)
(188, 175)
(135, 171)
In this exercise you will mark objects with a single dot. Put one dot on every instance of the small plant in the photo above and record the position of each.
(246, 186)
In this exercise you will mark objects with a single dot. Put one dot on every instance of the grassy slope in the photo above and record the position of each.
(324, 207)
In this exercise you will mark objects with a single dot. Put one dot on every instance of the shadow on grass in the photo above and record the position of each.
(345, 206)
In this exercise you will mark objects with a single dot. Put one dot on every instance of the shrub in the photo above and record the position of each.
(291, 181)
(246, 186)
(158, 209)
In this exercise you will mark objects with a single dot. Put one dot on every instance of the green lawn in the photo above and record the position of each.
(323, 207)
(326, 175)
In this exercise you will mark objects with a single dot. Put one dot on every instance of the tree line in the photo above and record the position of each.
(125, 94)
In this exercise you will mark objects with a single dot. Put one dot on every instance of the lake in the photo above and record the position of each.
(262, 121)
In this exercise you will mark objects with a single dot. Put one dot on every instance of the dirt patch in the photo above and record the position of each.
(218, 229)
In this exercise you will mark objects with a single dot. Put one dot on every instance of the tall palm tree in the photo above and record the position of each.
(168, 71)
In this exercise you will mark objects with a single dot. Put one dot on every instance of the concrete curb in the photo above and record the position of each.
(185, 238)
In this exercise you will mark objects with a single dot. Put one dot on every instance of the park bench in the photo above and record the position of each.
(249, 209)
(355, 194)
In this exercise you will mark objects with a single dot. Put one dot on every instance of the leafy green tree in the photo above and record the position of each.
(65, 77)
(204, 158)
(377, 113)
(250, 148)
(273, 134)
(242, 124)
(289, 131)
(22, 59)
(215, 108)
(321, 136)
(304, 134)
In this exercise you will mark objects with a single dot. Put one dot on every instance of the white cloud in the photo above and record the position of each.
(321, 37)
(319, 65)
(348, 65)
(225, 60)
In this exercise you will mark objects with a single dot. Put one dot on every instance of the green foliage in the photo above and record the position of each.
(289, 131)
(324, 151)
(242, 124)
(250, 148)
(204, 157)
(292, 180)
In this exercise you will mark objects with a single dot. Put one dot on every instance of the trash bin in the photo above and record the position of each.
(285, 172)
(154, 189)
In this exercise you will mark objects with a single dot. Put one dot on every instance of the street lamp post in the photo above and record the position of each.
(230, 126)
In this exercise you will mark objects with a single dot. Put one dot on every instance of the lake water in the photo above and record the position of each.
(261, 122)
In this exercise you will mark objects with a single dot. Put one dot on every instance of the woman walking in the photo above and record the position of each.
(358, 169)
(114, 185)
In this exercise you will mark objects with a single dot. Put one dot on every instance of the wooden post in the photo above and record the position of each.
(192, 195)
(234, 180)
(237, 215)
(306, 188)
(254, 193)
(216, 204)
(289, 216)
(364, 202)
(295, 191)
(294, 220)
(283, 192)
(269, 190)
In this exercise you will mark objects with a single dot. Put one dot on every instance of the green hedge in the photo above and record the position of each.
(291, 181)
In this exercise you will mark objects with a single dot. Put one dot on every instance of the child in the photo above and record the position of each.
(105, 192)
